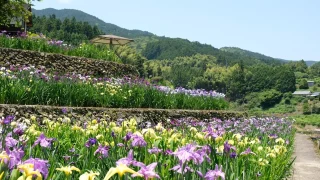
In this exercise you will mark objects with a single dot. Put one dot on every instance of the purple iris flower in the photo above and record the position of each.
(215, 174)
(128, 136)
(178, 168)
(154, 150)
(233, 155)
(19, 131)
(247, 151)
(103, 151)
(228, 147)
(190, 152)
(8, 119)
(10, 142)
(120, 144)
(129, 160)
(148, 171)
(40, 165)
(44, 141)
(91, 142)
(138, 141)
(15, 156)
(64, 110)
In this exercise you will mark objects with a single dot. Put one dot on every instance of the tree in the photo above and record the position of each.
(236, 86)
(303, 84)
(285, 79)
(14, 9)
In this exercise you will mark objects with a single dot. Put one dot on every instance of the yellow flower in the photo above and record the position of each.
(117, 129)
(13, 124)
(4, 156)
(112, 124)
(220, 149)
(1, 175)
(159, 127)
(112, 144)
(28, 172)
(193, 130)
(199, 136)
(94, 121)
(120, 170)
(33, 118)
(272, 155)
(231, 142)
(89, 176)
(280, 141)
(183, 141)
(263, 162)
(76, 128)
(219, 138)
(260, 148)
(68, 169)
(149, 133)
(99, 136)
(237, 136)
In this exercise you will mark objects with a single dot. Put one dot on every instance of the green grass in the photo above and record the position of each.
(313, 119)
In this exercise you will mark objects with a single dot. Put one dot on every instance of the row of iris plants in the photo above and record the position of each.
(28, 85)
(41, 44)
(186, 148)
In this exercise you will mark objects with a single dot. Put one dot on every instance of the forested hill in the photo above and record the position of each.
(248, 53)
(107, 28)
(169, 48)
(259, 55)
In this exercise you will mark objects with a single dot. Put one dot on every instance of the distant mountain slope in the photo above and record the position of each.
(310, 63)
(249, 53)
(107, 28)
(170, 48)
(259, 55)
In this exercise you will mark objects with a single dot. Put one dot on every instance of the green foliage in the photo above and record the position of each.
(315, 70)
(303, 84)
(286, 80)
(269, 98)
(169, 48)
(130, 56)
(313, 119)
(306, 108)
(42, 45)
(298, 66)
(236, 85)
(14, 10)
(265, 99)
(106, 28)
(69, 30)
(264, 58)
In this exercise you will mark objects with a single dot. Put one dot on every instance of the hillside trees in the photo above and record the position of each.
(69, 30)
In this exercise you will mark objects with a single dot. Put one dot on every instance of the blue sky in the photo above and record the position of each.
(287, 29)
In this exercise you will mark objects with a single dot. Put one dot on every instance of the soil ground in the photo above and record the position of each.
(307, 163)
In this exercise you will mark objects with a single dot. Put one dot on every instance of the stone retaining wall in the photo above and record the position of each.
(88, 113)
(65, 64)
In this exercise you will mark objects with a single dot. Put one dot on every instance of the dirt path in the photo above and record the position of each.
(307, 164)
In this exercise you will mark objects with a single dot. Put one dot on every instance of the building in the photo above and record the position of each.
(302, 93)
(13, 28)
(310, 83)
(315, 94)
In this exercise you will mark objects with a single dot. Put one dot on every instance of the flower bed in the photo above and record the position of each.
(187, 148)
(27, 85)
(41, 44)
